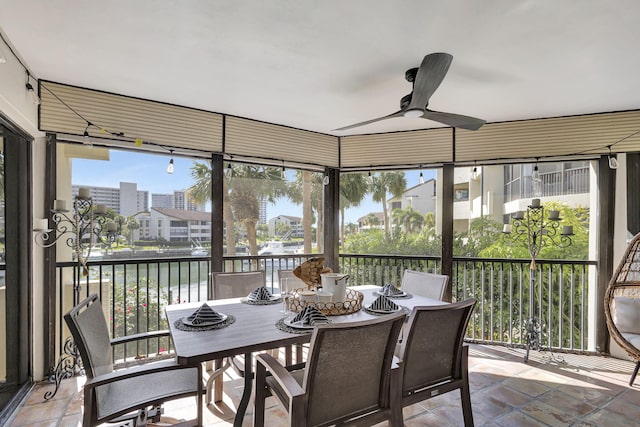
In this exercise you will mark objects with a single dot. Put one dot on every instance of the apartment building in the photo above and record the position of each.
(293, 226)
(174, 225)
(125, 200)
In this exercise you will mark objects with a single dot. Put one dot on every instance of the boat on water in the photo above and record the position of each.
(199, 252)
(272, 248)
(197, 249)
(279, 248)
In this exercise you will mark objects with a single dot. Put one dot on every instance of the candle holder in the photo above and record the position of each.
(80, 229)
(537, 231)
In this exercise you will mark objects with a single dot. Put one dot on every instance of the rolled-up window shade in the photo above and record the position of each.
(431, 146)
(159, 123)
(251, 138)
(560, 136)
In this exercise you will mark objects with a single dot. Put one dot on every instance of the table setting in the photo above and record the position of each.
(261, 296)
(204, 318)
(304, 321)
(391, 291)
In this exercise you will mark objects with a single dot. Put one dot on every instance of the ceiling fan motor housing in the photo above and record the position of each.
(404, 102)
(410, 74)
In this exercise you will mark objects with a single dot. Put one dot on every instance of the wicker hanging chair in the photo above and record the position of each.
(622, 304)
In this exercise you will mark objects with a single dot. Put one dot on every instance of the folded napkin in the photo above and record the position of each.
(260, 294)
(310, 316)
(383, 303)
(390, 290)
(204, 314)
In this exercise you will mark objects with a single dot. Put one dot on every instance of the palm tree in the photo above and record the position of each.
(429, 226)
(383, 183)
(307, 189)
(247, 184)
(307, 211)
(263, 231)
(409, 219)
(242, 189)
(351, 228)
(200, 192)
(282, 228)
(353, 189)
(132, 224)
(371, 219)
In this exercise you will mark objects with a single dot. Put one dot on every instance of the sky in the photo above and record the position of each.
(149, 172)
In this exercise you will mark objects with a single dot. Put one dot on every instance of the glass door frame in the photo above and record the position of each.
(17, 152)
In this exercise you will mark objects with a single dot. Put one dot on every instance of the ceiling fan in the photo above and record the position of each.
(426, 80)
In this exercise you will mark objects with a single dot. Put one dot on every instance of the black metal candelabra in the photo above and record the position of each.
(80, 229)
(537, 231)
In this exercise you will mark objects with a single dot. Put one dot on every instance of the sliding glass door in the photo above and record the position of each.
(15, 267)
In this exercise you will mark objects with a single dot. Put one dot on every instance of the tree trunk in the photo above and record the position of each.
(252, 237)
(320, 229)
(230, 223)
(307, 211)
(386, 217)
(342, 228)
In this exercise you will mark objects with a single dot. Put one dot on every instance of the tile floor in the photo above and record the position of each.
(580, 391)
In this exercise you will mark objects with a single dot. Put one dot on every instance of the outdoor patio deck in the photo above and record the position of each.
(581, 391)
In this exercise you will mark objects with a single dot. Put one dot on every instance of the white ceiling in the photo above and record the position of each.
(320, 65)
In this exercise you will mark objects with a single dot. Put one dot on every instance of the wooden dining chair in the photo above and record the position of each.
(433, 357)
(132, 395)
(346, 378)
(428, 285)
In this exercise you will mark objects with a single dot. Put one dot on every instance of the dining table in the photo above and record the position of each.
(254, 329)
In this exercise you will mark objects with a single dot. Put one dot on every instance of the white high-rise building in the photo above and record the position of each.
(182, 201)
(162, 200)
(125, 200)
(262, 205)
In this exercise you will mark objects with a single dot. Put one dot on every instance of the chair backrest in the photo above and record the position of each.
(91, 336)
(235, 284)
(428, 285)
(348, 368)
(288, 274)
(431, 349)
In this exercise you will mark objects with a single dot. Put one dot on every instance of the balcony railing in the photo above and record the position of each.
(557, 183)
(137, 290)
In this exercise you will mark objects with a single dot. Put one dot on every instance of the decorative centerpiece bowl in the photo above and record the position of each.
(351, 304)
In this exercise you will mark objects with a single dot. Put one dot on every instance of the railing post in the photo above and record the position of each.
(217, 223)
(50, 294)
(331, 215)
(606, 226)
(447, 225)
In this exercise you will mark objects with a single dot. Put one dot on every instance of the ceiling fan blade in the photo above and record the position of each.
(430, 74)
(454, 120)
(396, 114)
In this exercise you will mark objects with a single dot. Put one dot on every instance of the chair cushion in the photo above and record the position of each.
(633, 339)
(141, 391)
(627, 315)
